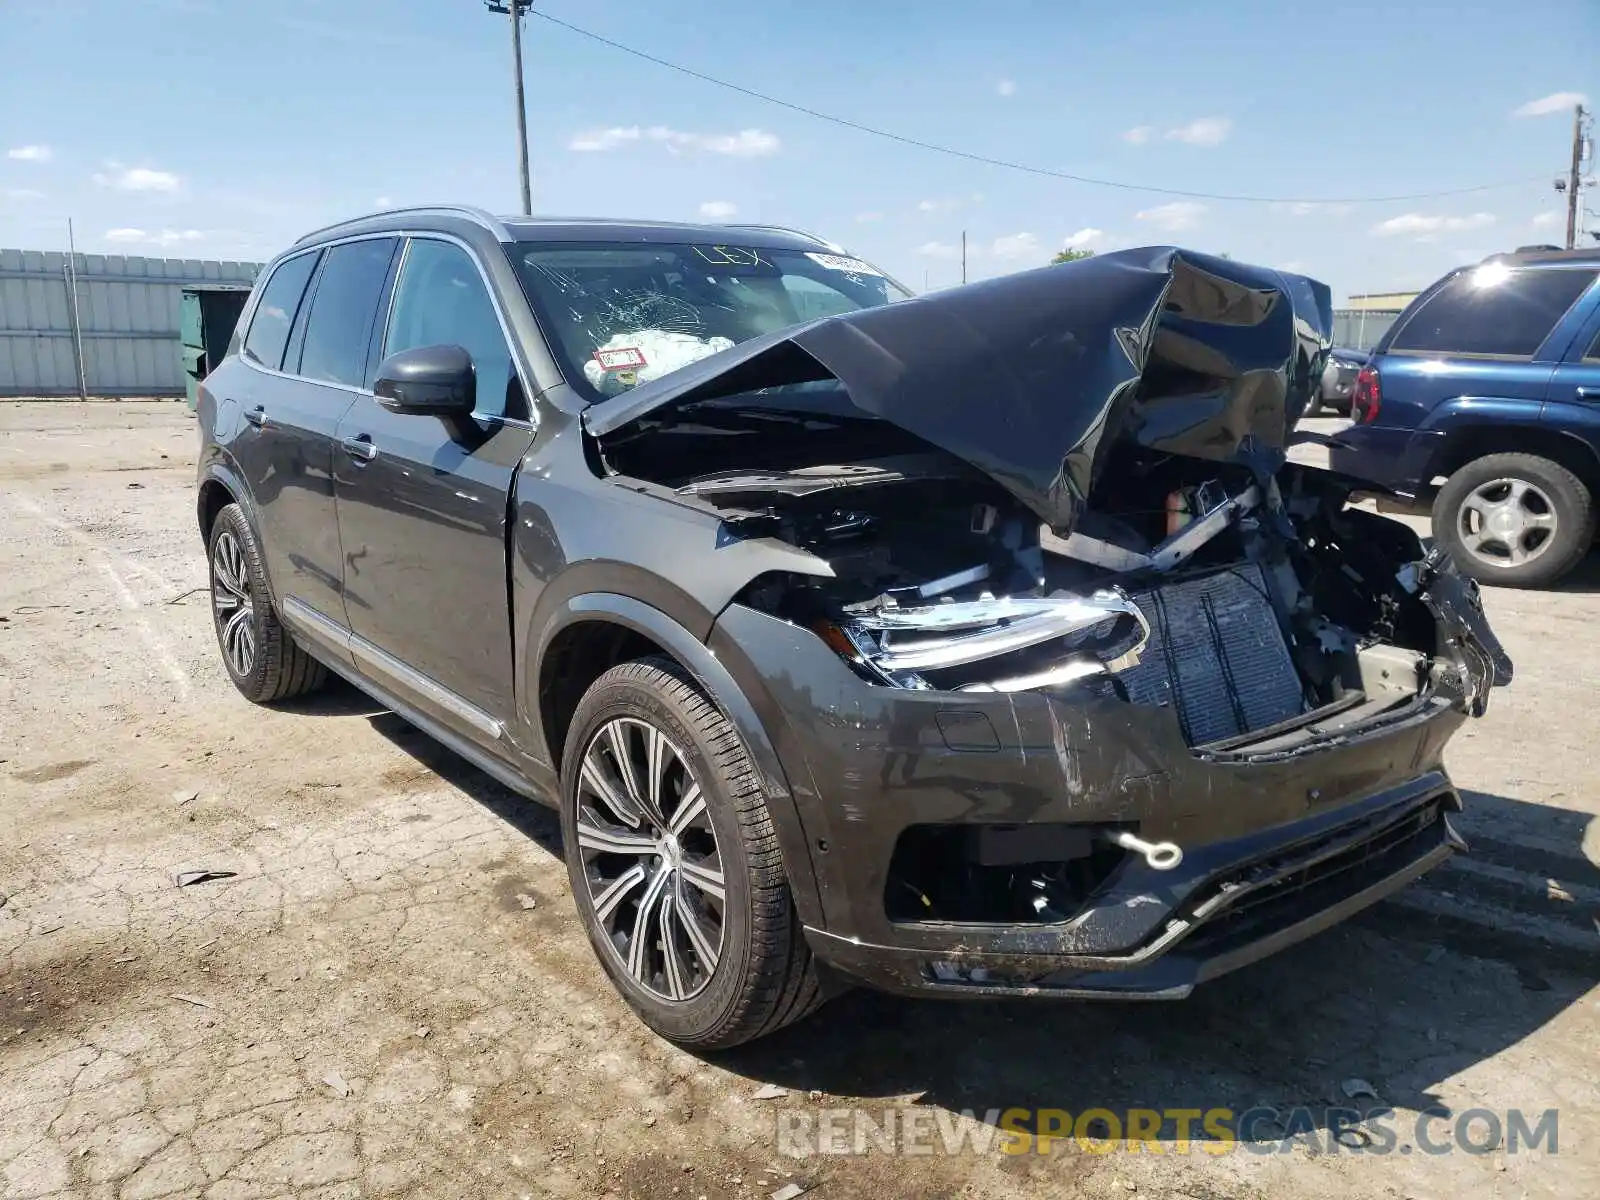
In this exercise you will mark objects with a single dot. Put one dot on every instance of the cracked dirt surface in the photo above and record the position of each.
(369, 1005)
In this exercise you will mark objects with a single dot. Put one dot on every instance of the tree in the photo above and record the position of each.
(1070, 255)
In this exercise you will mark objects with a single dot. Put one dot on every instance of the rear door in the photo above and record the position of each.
(1573, 403)
(298, 409)
(423, 506)
(282, 442)
(1479, 344)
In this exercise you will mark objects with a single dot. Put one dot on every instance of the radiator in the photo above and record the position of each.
(1216, 654)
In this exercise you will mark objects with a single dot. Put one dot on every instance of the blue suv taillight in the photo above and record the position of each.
(1366, 397)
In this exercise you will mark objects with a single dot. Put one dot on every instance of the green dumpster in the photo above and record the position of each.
(209, 314)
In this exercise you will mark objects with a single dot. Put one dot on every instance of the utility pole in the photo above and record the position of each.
(1573, 176)
(515, 8)
(963, 256)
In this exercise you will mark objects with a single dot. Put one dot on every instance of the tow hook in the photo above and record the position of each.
(1159, 856)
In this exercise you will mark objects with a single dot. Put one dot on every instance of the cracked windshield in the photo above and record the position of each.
(624, 315)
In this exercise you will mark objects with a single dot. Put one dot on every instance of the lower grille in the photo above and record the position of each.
(1216, 654)
(1322, 884)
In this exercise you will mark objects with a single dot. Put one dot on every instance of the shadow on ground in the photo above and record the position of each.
(1399, 997)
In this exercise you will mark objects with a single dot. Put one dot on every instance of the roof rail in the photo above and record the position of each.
(807, 234)
(465, 211)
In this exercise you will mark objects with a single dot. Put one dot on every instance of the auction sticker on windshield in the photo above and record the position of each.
(840, 262)
(622, 358)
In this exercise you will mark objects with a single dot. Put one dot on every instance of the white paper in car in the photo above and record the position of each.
(645, 354)
(842, 262)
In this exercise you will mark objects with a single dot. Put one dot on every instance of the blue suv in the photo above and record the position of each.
(1484, 399)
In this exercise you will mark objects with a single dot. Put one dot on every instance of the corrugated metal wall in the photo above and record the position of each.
(1360, 328)
(128, 311)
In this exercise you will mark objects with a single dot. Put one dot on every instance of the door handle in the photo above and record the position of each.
(360, 447)
(257, 416)
(1589, 393)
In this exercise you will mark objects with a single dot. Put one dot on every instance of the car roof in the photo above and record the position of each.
(571, 229)
(1548, 256)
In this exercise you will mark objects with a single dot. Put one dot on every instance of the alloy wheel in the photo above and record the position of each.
(650, 858)
(230, 601)
(1506, 522)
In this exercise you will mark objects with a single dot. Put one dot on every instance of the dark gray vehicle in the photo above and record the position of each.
(982, 643)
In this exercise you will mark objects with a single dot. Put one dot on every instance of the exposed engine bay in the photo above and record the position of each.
(1266, 618)
(1069, 480)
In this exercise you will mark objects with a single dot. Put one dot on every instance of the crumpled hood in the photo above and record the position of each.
(1033, 377)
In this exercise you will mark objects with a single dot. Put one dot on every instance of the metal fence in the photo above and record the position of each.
(97, 324)
(1360, 328)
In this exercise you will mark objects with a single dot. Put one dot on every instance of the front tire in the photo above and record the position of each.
(1514, 520)
(262, 659)
(674, 863)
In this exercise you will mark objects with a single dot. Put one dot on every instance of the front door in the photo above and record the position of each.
(423, 507)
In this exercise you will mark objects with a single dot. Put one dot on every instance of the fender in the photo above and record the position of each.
(1460, 419)
(726, 694)
(221, 469)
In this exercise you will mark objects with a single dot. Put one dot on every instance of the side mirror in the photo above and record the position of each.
(435, 380)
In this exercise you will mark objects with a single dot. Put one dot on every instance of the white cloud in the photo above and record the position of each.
(936, 206)
(1424, 225)
(1310, 208)
(1205, 131)
(865, 217)
(137, 179)
(1006, 87)
(1549, 220)
(1553, 103)
(746, 143)
(939, 250)
(1139, 134)
(24, 194)
(604, 139)
(1017, 245)
(167, 237)
(383, 201)
(718, 210)
(1174, 217)
(1084, 239)
(31, 153)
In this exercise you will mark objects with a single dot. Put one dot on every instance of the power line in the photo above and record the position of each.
(1008, 164)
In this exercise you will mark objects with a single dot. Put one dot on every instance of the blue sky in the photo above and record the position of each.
(224, 128)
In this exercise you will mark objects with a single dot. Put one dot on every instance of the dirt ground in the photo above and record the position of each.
(389, 994)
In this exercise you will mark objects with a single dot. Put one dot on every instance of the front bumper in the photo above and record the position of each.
(1276, 846)
(1280, 890)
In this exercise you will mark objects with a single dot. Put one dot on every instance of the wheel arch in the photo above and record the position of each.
(221, 486)
(592, 632)
(1478, 441)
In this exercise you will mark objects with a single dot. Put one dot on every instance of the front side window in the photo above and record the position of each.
(1493, 310)
(339, 326)
(618, 315)
(440, 300)
(274, 316)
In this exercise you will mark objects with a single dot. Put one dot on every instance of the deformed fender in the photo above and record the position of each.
(719, 684)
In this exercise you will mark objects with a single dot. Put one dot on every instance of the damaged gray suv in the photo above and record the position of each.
(982, 643)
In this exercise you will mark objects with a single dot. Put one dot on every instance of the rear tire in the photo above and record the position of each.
(656, 788)
(262, 659)
(1514, 520)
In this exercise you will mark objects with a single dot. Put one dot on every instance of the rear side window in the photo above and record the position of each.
(1493, 311)
(339, 326)
(280, 298)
